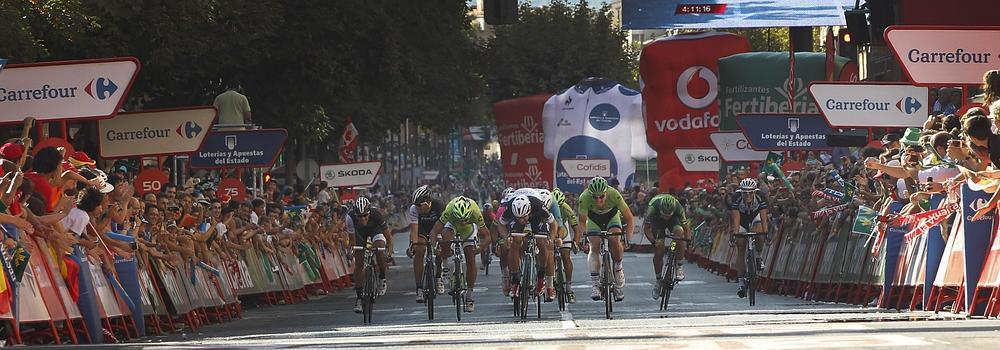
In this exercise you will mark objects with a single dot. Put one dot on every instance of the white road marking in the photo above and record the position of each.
(567, 320)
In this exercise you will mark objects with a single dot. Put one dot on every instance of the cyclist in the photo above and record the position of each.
(567, 225)
(502, 241)
(749, 212)
(422, 215)
(463, 220)
(664, 213)
(366, 222)
(602, 208)
(524, 213)
(489, 216)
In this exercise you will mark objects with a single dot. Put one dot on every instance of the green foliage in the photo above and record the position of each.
(555, 46)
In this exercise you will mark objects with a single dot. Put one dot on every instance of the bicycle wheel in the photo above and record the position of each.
(526, 287)
(560, 281)
(486, 259)
(667, 281)
(368, 294)
(459, 295)
(606, 284)
(751, 276)
(429, 289)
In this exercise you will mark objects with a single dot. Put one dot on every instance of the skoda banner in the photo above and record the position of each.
(519, 127)
(680, 93)
(698, 159)
(758, 83)
(597, 120)
(350, 174)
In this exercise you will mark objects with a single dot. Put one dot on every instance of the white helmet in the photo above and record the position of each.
(421, 193)
(546, 197)
(520, 206)
(748, 185)
(362, 205)
(506, 192)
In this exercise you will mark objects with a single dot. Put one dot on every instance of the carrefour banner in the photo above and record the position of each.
(519, 126)
(757, 83)
(680, 86)
(596, 125)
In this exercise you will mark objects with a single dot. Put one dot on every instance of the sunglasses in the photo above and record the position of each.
(421, 204)
(599, 197)
(362, 216)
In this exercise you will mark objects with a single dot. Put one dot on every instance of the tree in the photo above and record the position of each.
(553, 47)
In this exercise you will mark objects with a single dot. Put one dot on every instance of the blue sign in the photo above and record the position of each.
(978, 235)
(785, 132)
(701, 14)
(604, 117)
(240, 149)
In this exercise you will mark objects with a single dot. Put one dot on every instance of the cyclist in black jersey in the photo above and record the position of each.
(749, 212)
(422, 216)
(366, 222)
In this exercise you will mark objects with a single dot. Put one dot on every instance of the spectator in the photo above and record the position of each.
(948, 101)
(234, 108)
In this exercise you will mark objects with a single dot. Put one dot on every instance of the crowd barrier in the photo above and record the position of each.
(140, 296)
(952, 267)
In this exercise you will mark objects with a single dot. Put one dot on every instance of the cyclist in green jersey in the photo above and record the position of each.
(567, 225)
(665, 214)
(602, 208)
(463, 219)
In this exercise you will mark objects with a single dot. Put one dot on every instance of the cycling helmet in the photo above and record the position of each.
(668, 205)
(558, 196)
(748, 185)
(546, 197)
(421, 194)
(520, 206)
(362, 205)
(463, 208)
(506, 192)
(598, 185)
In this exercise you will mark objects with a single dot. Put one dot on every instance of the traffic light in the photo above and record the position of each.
(498, 12)
(847, 45)
(857, 25)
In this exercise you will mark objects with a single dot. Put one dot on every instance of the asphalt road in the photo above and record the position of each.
(705, 313)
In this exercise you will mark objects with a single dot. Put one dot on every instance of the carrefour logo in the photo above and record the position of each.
(101, 88)
(705, 85)
(189, 129)
(908, 105)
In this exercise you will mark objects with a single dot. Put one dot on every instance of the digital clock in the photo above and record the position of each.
(690, 9)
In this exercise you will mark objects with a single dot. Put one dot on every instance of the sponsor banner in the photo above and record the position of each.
(157, 132)
(680, 96)
(871, 105)
(734, 147)
(784, 132)
(698, 159)
(978, 235)
(519, 128)
(240, 149)
(586, 168)
(232, 188)
(758, 83)
(86, 89)
(150, 180)
(864, 222)
(943, 55)
(595, 119)
(350, 174)
(431, 174)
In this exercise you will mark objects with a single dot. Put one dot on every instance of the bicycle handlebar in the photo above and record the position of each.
(604, 233)
(356, 248)
(522, 234)
(749, 234)
(677, 238)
